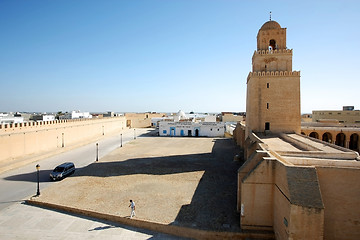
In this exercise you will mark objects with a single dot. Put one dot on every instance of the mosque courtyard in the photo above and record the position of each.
(188, 182)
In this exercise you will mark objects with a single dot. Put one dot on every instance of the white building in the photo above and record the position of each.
(75, 115)
(48, 117)
(194, 117)
(43, 117)
(8, 119)
(192, 129)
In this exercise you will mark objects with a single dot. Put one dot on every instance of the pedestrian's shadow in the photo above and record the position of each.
(102, 228)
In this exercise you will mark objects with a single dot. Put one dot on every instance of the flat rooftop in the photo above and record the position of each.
(284, 144)
(302, 150)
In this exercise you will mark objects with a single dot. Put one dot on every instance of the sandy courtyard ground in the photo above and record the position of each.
(188, 182)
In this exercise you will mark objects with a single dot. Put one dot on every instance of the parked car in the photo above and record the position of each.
(62, 171)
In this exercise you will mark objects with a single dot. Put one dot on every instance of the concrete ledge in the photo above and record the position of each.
(322, 155)
(355, 154)
(157, 227)
(256, 227)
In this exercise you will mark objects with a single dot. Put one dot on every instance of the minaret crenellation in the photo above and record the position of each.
(273, 51)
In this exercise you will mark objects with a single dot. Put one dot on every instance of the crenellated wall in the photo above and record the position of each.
(22, 139)
(273, 73)
(265, 52)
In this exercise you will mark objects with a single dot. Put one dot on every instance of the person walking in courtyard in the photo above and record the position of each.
(132, 205)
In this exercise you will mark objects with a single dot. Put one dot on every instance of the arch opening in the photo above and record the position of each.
(340, 140)
(327, 137)
(314, 135)
(272, 44)
(354, 142)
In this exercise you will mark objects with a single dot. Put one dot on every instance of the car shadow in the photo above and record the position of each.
(44, 176)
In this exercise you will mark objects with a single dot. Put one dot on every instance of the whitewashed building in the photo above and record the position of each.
(43, 117)
(11, 119)
(194, 117)
(76, 115)
(6, 118)
(192, 129)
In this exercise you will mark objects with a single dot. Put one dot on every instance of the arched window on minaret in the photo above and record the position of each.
(272, 44)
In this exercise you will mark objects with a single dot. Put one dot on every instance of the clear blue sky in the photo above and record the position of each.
(166, 55)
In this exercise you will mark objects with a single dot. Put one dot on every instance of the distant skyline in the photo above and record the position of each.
(163, 56)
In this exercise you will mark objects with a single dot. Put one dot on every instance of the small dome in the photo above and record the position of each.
(181, 114)
(270, 25)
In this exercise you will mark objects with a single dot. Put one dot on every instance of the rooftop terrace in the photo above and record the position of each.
(302, 150)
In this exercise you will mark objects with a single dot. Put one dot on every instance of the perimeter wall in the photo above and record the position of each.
(19, 140)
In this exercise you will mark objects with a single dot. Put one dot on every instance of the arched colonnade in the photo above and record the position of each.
(347, 139)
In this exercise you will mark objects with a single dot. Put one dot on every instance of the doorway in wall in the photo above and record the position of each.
(196, 132)
(172, 131)
(189, 133)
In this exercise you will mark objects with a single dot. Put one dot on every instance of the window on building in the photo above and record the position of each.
(267, 85)
(267, 126)
(164, 131)
(267, 105)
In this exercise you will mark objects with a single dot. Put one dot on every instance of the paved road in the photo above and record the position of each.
(19, 184)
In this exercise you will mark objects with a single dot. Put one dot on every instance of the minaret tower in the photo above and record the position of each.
(273, 89)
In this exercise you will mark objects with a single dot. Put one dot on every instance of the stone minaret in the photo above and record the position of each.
(273, 89)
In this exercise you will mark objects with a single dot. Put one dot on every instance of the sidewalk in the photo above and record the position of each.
(24, 222)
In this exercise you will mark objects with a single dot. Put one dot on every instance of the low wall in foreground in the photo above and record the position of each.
(157, 227)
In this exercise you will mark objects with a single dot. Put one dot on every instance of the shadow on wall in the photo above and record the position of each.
(213, 206)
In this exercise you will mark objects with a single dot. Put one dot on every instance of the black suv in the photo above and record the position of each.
(62, 171)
